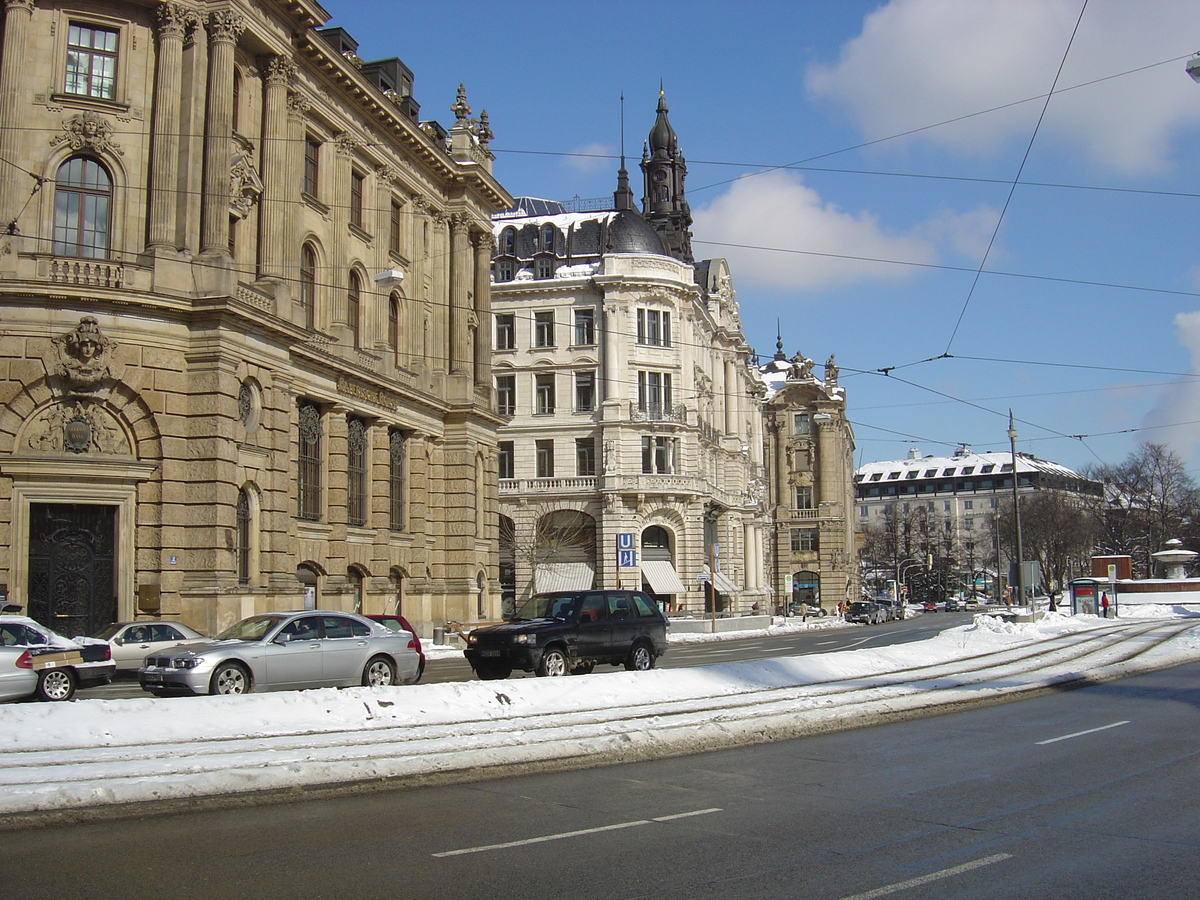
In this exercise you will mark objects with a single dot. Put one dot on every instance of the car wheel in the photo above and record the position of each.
(553, 664)
(380, 672)
(584, 668)
(230, 678)
(640, 659)
(55, 685)
(492, 671)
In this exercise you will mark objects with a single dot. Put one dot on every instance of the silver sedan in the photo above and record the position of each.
(131, 642)
(286, 651)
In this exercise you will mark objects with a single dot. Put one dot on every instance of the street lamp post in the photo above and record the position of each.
(1012, 443)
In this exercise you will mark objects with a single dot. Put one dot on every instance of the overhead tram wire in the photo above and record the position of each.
(1016, 180)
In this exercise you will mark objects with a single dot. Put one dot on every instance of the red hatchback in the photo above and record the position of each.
(399, 623)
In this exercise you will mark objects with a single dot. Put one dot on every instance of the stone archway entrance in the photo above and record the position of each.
(72, 566)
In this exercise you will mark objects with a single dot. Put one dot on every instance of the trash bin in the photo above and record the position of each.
(439, 635)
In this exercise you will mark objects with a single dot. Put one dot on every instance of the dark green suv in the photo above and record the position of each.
(568, 632)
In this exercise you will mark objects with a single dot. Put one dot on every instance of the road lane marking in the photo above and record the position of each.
(570, 834)
(932, 876)
(823, 643)
(1067, 737)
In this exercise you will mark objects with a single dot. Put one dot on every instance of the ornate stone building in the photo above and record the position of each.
(631, 456)
(810, 459)
(241, 294)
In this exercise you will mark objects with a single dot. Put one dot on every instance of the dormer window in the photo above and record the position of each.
(548, 238)
(508, 241)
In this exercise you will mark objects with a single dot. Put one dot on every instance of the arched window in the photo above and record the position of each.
(548, 238)
(307, 298)
(242, 550)
(509, 241)
(82, 208)
(355, 578)
(394, 328)
(353, 309)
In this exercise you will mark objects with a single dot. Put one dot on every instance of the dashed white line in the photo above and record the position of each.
(932, 876)
(1067, 737)
(570, 834)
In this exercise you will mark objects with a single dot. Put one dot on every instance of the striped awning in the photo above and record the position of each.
(564, 576)
(662, 577)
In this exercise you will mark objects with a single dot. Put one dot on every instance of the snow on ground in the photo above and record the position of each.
(107, 751)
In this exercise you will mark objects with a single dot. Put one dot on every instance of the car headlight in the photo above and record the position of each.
(471, 639)
(529, 639)
(188, 662)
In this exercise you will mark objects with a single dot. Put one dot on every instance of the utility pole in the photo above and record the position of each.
(1012, 443)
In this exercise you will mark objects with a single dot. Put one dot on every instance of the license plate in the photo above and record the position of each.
(489, 652)
(151, 676)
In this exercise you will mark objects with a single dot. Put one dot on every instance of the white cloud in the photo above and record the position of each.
(590, 158)
(921, 62)
(1180, 402)
(836, 247)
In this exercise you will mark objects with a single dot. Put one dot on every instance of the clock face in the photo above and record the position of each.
(660, 175)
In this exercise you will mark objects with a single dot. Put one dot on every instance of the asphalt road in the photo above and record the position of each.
(1081, 794)
(701, 654)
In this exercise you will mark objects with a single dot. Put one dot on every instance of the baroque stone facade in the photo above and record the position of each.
(632, 452)
(241, 285)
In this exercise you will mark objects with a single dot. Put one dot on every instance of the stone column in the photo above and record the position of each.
(461, 354)
(224, 27)
(610, 328)
(731, 386)
(173, 21)
(15, 185)
(278, 73)
(482, 242)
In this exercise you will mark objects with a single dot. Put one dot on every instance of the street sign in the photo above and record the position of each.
(702, 577)
(625, 540)
(626, 558)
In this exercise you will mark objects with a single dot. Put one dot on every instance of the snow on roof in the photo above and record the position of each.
(962, 463)
(562, 221)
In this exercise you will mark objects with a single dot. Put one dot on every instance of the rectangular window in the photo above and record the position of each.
(654, 393)
(543, 329)
(658, 455)
(654, 327)
(585, 456)
(357, 439)
(968, 504)
(945, 506)
(800, 424)
(312, 153)
(308, 475)
(544, 394)
(504, 270)
(544, 458)
(544, 267)
(356, 198)
(991, 503)
(969, 523)
(91, 61)
(506, 332)
(506, 395)
(506, 459)
(804, 498)
(804, 540)
(864, 511)
(394, 227)
(585, 391)
(397, 475)
(585, 327)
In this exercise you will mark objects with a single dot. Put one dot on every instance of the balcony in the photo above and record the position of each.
(87, 272)
(584, 484)
(658, 412)
(824, 511)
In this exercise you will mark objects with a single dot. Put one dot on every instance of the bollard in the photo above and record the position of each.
(439, 635)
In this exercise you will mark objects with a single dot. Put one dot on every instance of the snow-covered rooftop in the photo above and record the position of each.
(963, 462)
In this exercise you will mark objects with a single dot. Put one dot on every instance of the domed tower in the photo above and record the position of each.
(664, 204)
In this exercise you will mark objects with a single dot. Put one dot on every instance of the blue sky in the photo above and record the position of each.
(824, 164)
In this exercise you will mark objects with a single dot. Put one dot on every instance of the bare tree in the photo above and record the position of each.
(1149, 499)
(1058, 531)
(556, 536)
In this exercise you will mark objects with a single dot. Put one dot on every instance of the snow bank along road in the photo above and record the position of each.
(94, 754)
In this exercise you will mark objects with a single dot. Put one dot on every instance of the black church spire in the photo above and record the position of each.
(664, 204)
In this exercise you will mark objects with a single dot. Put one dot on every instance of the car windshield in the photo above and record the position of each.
(556, 605)
(251, 629)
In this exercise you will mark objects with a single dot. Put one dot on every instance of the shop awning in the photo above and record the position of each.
(662, 576)
(564, 576)
(722, 583)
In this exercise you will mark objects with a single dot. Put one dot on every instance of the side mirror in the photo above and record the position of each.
(282, 638)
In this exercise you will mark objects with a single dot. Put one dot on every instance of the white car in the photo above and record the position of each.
(131, 642)
(36, 662)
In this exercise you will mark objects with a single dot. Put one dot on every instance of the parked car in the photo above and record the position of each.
(399, 623)
(892, 609)
(286, 651)
(808, 608)
(36, 662)
(866, 611)
(130, 642)
(570, 632)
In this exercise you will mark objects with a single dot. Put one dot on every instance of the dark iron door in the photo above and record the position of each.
(72, 583)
